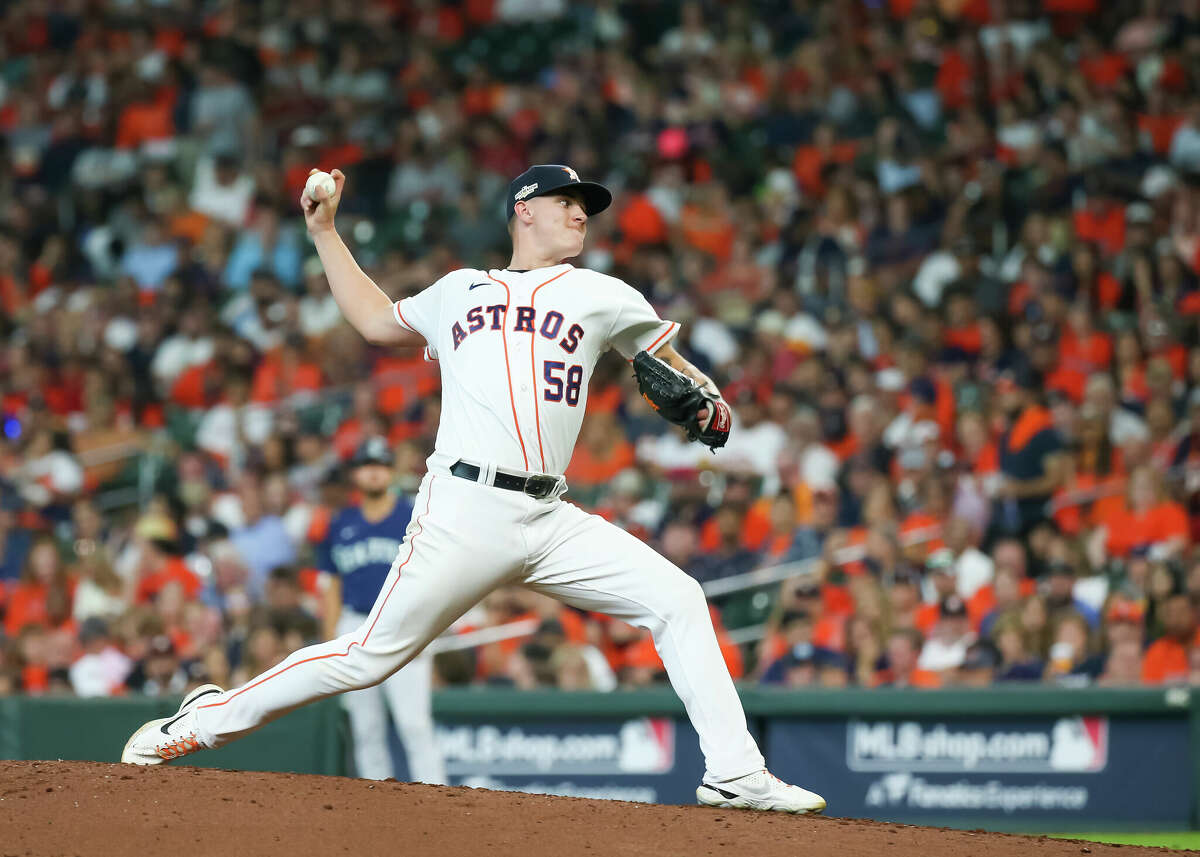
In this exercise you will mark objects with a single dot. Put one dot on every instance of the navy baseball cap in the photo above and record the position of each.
(374, 450)
(542, 179)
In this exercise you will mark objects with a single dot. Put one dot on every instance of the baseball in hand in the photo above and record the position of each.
(319, 179)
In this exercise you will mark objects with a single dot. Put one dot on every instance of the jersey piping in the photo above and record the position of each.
(512, 400)
(537, 417)
(412, 546)
(400, 317)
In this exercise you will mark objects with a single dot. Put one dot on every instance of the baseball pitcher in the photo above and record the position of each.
(515, 348)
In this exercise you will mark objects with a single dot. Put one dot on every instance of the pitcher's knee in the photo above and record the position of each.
(361, 669)
(683, 601)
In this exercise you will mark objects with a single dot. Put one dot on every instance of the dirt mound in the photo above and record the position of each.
(88, 808)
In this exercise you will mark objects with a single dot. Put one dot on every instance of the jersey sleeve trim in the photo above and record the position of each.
(400, 318)
(672, 329)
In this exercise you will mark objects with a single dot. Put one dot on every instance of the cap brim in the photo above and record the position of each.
(596, 197)
(363, 462)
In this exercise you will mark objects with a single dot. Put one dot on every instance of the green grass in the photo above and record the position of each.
(1188, 840)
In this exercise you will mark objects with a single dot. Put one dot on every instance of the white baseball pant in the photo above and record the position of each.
(408, 695)
(465, 540)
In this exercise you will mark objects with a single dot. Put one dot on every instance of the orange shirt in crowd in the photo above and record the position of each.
(404, 379)
(145, 122)
(756, 526)
(35, 679)
(189, 225)
(1106, 228)
(274, 381)
(710, 232)
(855, 537)
(27, 605)
(12, 295)
(1166, 661)
(829, 632)
(492, 658)
(953, 80)
(926, 617)
(1128, 529)
(836, 600)
(587, 468)
(983, 601)
(944, 406)
(927, 527)
(968, 338)
(641, 223)
(188, 390)
(1107, 290)
(919, 678)
(1104, 71)
(1072, 518)
(809, 161)
(1160, 130)
(173, 570)
(1078, 358)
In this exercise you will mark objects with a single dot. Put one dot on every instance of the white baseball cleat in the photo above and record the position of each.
(762, 791)
(168, 738)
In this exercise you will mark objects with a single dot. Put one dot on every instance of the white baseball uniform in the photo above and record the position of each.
(405, 695)
(516, 350)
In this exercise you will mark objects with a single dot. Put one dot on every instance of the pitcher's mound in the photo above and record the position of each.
(91, 808)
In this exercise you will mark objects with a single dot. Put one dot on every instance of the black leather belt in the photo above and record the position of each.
(538, 486)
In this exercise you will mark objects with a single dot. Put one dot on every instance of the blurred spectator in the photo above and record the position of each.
(28, 602)
(1123, 667)
(234, 424)
(1148, 521)
(729, 556)
(161, 566)
(948, 641)
(261, 539)
(15, 541)
(100, 592)
(978, 667)
(151, 258)
(1017, 662)
(1166, 660)
(1073, 658)
(947, 311)
(159, 672)
(1030, 454)
(901, 656)
(102, 668)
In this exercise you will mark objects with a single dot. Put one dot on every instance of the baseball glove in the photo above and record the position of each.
(678, 399)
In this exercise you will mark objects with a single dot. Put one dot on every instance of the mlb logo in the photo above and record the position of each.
(647, 746)
(1079, 744)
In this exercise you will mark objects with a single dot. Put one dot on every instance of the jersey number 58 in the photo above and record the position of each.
(555, 388)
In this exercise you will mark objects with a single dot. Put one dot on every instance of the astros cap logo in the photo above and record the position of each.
(574, 175)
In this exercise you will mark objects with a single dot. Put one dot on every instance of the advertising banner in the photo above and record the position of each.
(645, 759)
(1084, 771)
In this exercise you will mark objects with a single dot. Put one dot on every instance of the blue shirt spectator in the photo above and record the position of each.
(151, 259)
(265, 246)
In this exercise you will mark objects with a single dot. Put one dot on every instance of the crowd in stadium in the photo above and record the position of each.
(941, 257)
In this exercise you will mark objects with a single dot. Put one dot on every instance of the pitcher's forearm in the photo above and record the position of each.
(676, 361)
(363, 304)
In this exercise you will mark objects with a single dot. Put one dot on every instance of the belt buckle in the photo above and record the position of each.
(540, 487)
